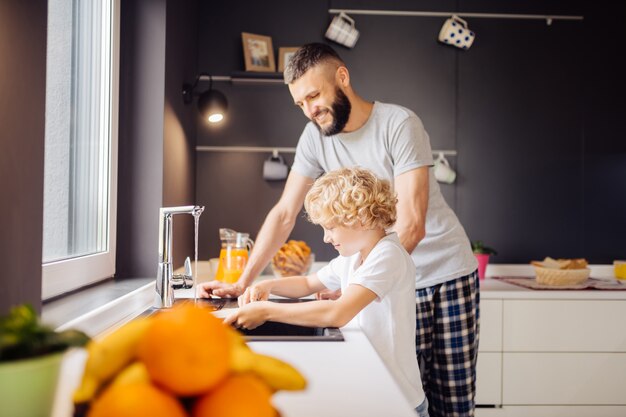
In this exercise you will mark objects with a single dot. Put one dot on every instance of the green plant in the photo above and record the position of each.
(478, 247)
(23, 336)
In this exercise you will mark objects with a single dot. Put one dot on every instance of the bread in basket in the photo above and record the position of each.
(293, 258)
(561, 272)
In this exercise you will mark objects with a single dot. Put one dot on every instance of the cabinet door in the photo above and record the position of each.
(564, 325)
(553, 411)
(490, 339)
(489, 378)
(563, 378)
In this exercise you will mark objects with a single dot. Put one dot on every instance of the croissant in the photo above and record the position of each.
(293, 258)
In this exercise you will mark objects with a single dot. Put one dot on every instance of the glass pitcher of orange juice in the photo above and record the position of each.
(233, 255)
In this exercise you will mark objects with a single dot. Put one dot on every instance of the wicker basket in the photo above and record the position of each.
(558, 277)
(304, 270)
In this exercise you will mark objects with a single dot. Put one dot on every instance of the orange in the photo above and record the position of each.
(186, 350)
(239, 395)
(136, 400)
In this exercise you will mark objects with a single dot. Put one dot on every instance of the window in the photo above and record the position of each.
(81, 144)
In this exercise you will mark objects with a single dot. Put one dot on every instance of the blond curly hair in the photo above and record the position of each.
(351, 197)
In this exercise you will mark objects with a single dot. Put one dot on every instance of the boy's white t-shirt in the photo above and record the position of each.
(388, 321)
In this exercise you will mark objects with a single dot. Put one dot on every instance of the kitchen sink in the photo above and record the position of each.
(282, 332)
(272, 330)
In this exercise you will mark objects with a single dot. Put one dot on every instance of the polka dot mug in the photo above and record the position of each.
(456, 33)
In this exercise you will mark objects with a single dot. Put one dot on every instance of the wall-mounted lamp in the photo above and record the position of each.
(211, 103)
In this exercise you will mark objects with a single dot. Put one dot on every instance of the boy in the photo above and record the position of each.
(354, 208)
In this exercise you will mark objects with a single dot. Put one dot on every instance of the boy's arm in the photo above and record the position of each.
(323, 313)
(292, 287)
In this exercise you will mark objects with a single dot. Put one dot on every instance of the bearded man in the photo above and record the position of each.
(346, 131)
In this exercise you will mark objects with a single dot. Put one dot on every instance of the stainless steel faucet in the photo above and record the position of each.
(164, 290)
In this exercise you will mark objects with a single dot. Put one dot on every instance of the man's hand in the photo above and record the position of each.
(249, 316)
(258, 292)
(220, 289)
(328, 295)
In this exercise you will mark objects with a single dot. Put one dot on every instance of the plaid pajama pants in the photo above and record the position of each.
(446, 340)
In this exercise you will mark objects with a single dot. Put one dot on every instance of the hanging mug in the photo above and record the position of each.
(456, 33)
(274, 168)
(443, 171)
(342, 30)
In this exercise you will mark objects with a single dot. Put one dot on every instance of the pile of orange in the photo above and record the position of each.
(187, 354)
(186, 350)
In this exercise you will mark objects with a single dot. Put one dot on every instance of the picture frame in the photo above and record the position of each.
(258, 52)
(284, 53)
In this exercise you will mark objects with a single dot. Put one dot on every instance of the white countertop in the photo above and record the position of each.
(495, 289)
(120, 309)
(345, 378)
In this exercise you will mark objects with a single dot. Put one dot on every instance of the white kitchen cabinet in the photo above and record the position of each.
(551, 353)
(564, 378)
(489, 364)
(553, 411)
(490, 339)
(563, 352)
(489, 378)
(564, 326)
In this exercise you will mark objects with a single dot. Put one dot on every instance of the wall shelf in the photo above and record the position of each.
(247, 77)
(271, 149)
(548, 18)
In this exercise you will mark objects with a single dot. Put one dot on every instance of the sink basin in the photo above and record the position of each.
(282, 332)
(271, 330)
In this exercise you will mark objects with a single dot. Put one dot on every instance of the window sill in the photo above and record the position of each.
(96, 308)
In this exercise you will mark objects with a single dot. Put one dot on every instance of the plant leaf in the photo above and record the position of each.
(23, 336)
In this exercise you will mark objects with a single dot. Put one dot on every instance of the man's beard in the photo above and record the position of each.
(339, 111)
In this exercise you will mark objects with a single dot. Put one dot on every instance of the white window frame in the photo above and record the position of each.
(66, 275)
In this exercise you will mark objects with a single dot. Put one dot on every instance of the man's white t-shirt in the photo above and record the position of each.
(393, 141)
(388, 321)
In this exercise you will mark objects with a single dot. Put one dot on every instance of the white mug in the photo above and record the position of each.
(274, 168)
(443, 172)
(342, 30)
(456, 33)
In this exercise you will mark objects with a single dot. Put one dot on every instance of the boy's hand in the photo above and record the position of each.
(258, 292)
(328, 294)
(249, 316)
(218, 288)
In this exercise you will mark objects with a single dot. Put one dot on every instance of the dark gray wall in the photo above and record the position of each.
(179, 157)
(520, 135)
(604, 180)
(156, 130)
(141, 115)
(533, 111)
(23, 28)
(540, 136)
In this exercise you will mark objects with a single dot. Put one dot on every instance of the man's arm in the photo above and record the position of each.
(275, 230)
(277, 226)
(412, 190)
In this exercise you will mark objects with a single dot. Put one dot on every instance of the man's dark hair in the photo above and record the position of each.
(307, 57)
